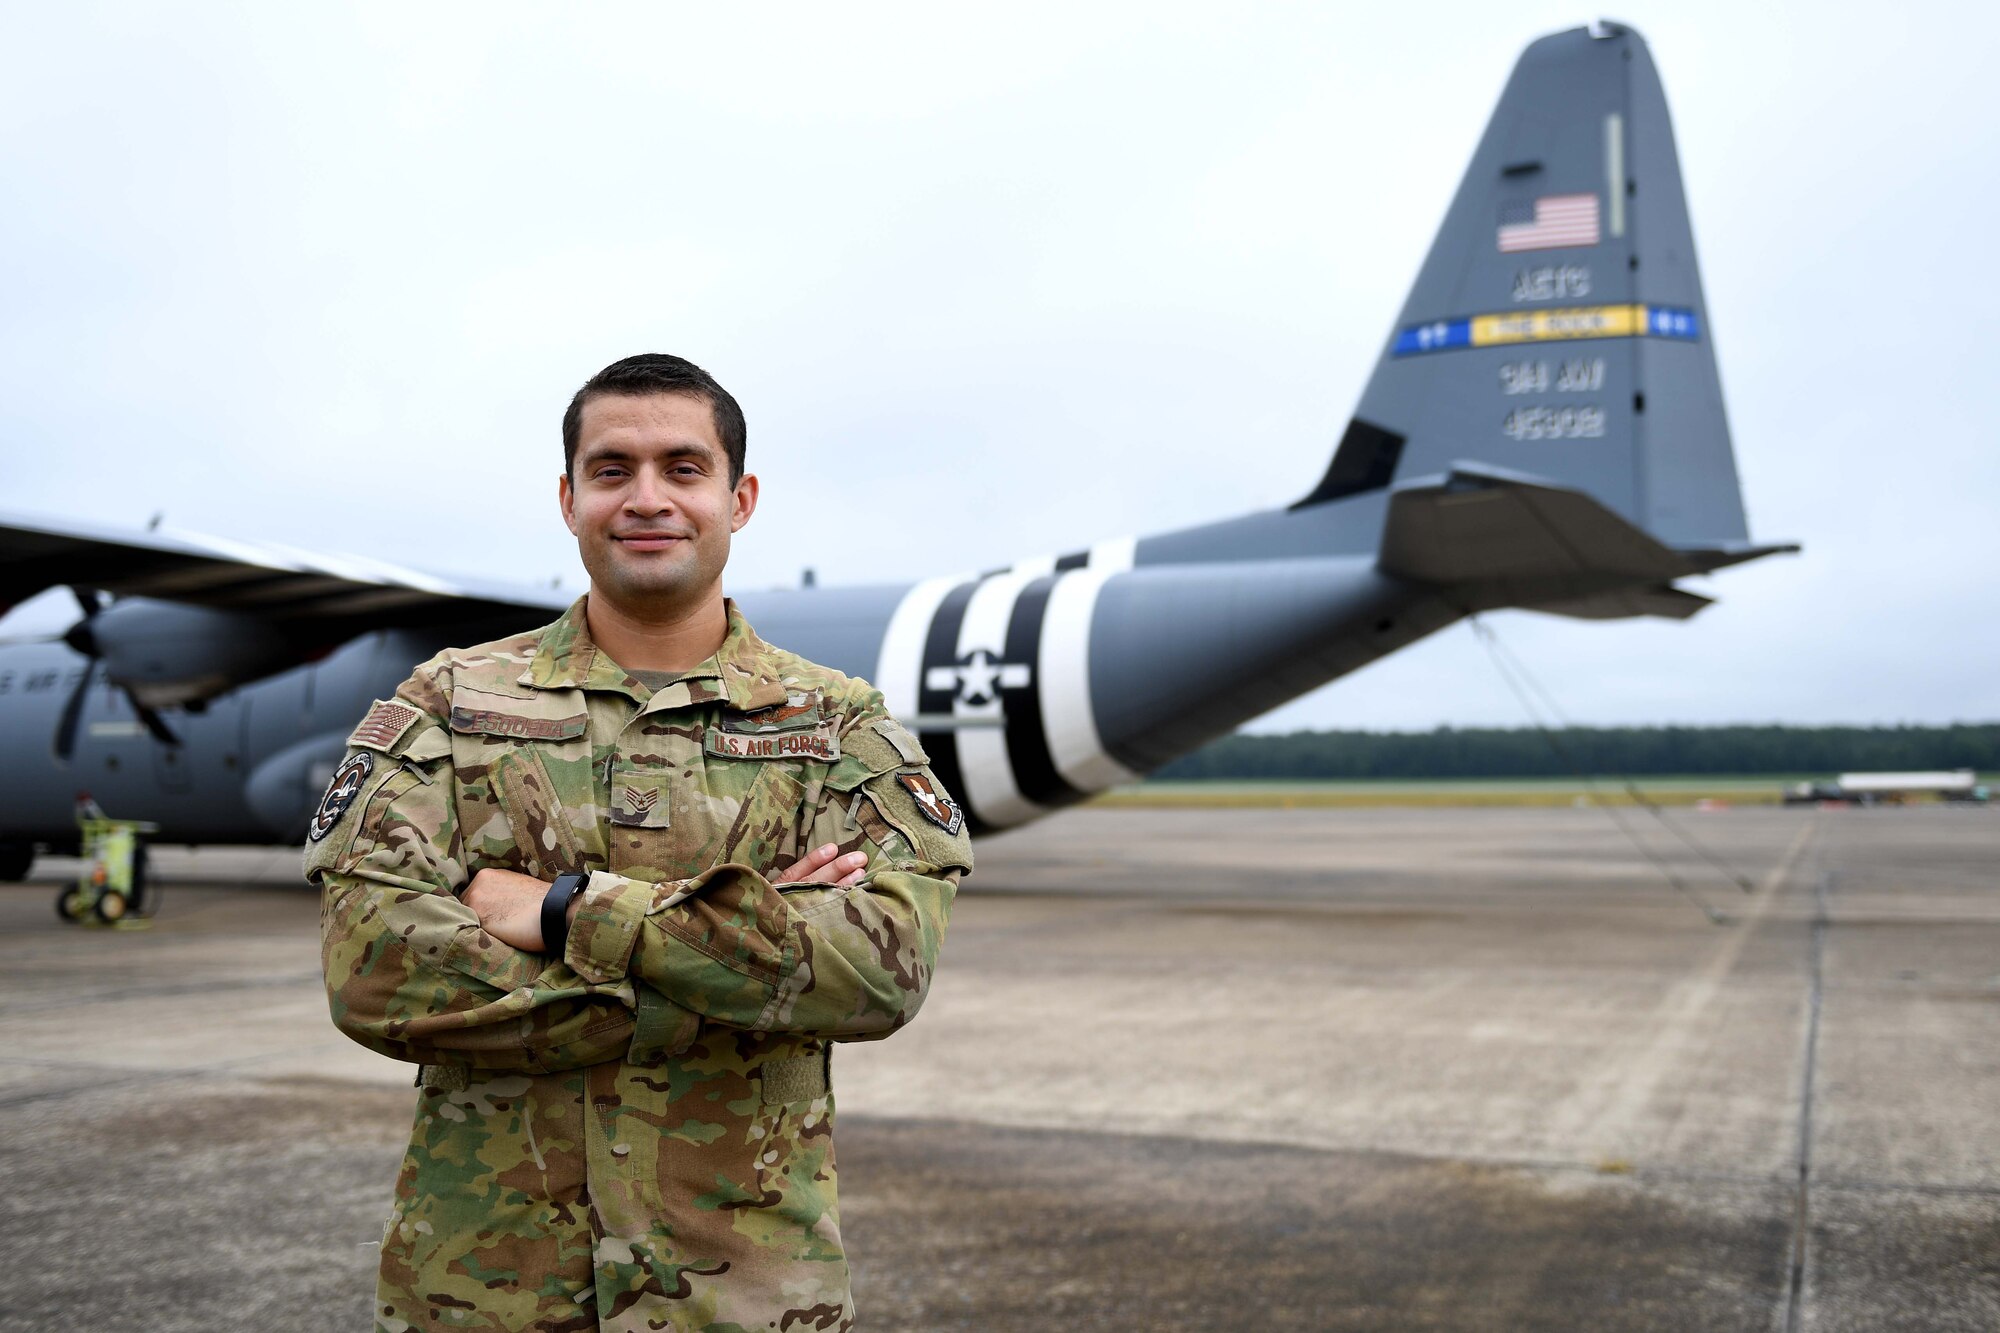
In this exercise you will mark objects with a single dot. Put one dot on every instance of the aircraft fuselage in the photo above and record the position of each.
(1031, 688)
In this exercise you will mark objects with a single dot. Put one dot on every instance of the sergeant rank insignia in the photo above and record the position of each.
(340, 793)
(933, 804)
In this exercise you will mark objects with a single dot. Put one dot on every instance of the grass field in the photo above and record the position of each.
(1733, 789)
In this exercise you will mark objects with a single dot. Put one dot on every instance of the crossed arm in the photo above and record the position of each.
(509, 903)
(837, 945)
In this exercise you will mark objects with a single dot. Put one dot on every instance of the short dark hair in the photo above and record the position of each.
(656, 372)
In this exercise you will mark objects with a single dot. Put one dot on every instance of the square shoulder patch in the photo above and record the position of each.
(914, 804)
(384, 726)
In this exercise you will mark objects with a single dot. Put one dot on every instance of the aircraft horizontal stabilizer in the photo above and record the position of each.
(1662, 600)
(1502, 539)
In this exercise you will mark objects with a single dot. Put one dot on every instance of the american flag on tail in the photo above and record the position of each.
(1551, 222)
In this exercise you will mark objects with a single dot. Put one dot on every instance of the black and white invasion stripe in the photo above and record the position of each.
(1034, 745)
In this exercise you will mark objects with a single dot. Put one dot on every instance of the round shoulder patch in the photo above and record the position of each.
(340, 793)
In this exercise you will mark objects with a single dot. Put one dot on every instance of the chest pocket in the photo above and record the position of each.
(669, 823)
(773, 820)
(525, 797)
(698, 788)
(792, 807)
(663, 815)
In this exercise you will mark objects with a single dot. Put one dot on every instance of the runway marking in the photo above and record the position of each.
(1603, 1114)
(1802, 1200)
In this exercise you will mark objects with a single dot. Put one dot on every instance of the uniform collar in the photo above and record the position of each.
(741, 670)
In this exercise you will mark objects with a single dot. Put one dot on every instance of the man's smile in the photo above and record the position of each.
(648, 541)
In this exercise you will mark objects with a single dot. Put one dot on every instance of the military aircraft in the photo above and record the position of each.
(1544, 429)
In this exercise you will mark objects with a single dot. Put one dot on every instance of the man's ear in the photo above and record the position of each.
(566, 500)
(745, 502)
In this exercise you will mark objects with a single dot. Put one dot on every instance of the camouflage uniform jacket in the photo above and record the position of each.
(638, 1134)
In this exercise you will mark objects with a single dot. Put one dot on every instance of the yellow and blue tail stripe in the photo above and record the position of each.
(1534, 326)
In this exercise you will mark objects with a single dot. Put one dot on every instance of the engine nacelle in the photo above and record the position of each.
(168, 654)
(284, 789)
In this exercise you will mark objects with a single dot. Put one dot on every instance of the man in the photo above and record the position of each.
(616, 885)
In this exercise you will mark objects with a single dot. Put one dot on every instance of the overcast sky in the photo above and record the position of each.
(989, 284)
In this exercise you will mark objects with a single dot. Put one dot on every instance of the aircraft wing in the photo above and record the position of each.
(286, 587)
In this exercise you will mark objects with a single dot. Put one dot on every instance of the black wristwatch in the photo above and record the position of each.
(555, 912)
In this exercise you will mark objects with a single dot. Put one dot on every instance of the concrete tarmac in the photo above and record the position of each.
(1181, 1069)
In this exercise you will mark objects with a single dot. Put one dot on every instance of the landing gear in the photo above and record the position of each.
(16, 858)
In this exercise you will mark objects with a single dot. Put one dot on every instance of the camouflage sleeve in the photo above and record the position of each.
(812, 959)
(409, 972)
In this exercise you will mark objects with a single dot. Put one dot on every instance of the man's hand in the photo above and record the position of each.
(825, 865)
(509, 905)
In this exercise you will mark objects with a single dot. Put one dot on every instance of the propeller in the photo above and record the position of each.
(82, 638)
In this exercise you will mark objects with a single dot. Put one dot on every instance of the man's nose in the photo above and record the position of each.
(648, 494)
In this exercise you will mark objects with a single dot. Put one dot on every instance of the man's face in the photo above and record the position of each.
(650, 501)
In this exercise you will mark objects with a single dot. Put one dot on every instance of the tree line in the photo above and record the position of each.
(1523, 752)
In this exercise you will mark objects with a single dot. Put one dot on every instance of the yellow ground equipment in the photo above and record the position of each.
(114, 886)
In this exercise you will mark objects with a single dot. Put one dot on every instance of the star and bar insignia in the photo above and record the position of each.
(932, 803)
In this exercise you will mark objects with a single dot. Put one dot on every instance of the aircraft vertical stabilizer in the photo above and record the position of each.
(1557, 329)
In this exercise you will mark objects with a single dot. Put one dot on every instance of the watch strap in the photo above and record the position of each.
(555, 912)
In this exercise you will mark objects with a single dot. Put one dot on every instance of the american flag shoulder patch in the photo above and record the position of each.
(384, 726)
